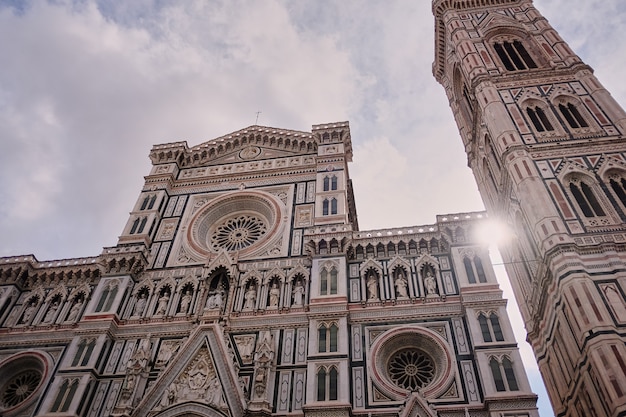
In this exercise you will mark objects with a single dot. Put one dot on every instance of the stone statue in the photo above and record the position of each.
(401, 285)
(274, 295)
(162, 305)
(372, 287)
(29, 311)
(140, 305)
(75, 310)
(185, 302)
(430, 283)
(250, 297)
(51, 312)
(298, 294)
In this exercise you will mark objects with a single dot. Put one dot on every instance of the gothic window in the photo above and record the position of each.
(506, 382)
(145, 202)
(64, 397)
(469, 270)
(333, 206)
(327, 337)
(325, 207)
(514, 56)
(618, 185)
(480, 271)
(328, 281)
(142, 225)
(539, 119)
(85, 349)
(107, 297)
(585, 198)
(572, 115)
(474, 268)
(330, 183)
(490, 328)
(133, 229)
(152, 201)
(327, 384)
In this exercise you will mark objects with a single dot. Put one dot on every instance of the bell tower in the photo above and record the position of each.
(546, 143)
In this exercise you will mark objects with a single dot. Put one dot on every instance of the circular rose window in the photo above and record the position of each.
(23, 376)
(411, 359)
(243, 221)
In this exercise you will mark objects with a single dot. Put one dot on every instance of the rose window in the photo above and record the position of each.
(238, 233)
(20, 387)
(411, 369)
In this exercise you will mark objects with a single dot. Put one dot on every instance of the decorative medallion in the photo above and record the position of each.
(250, 152)
(411, 369)
(237, 233)
(20, 387)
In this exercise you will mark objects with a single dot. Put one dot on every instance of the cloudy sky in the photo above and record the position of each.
(87, 87)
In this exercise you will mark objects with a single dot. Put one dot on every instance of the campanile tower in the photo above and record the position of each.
(546, 143)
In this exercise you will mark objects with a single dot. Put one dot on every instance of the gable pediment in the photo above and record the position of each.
(249, 144)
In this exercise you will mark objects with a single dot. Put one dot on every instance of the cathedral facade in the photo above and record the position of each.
(546, 143)
(241, 285)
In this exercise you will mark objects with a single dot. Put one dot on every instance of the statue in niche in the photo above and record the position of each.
(401, 284)
(246, 347)
(162, 304)
(298, 293)
(274, 295)
(430, 283)
(51, 312)
(185, 302)
(216, 298)
(136, 368)
(372, 286)
(29, 311)
(170, 395)
(263, 358)
(140, 305)
(250, 298)
(75, 310)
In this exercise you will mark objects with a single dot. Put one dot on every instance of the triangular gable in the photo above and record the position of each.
(417, 406)
(201, 376)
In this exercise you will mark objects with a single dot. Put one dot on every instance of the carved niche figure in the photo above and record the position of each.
(162, 303)
(216, 298)
(167, 350)
(430, 283)
(140, 305)
(75, 310)
(298, 293)
(49, 317)
(250, 298)
(185, 302)
(372, 286)
(401, 284)
(274, 295)
(136, 369)
(263, 358)
(29, 311)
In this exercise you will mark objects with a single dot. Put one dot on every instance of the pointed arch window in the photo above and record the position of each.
(83, 353)
(145, 202)
(503, 374)
(328, 281)
(514, 56)
(133, 229)
(474, 268)
(327, 384)
(152, 201)
(330, 183)
(490, 327)
(64, 398)
(574, 119)
(618, 185)
(333, 206)
(328, 337)
(586, 199)
(325, 207)
(539, 119)
(107, 298)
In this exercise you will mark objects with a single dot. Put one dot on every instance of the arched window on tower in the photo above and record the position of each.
(64, 398)
(539, 119)
(328, 280)
(327, 337)
(474, 268)
(333, 206)
(327, 383)
(107, 297)
(490, 327)
(325, 207)
(585, 198)
(574, 119)
(84, 351)
(618, 185)
(503, 374)
(514, 56)
(152, 201)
